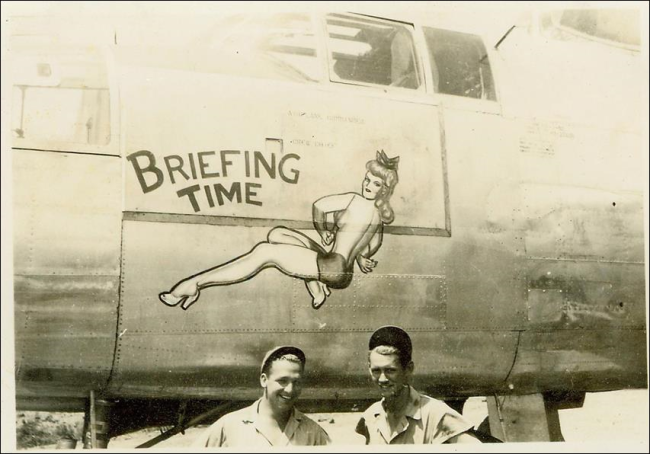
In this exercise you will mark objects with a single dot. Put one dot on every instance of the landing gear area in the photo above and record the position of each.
(532, 417)
(106, 419)
(510, 418)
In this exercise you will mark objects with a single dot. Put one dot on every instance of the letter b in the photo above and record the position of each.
(150, 167)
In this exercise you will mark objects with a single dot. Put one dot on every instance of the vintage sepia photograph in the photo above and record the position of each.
(340, 225)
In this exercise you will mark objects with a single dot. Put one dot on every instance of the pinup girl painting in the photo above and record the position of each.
(355, 236)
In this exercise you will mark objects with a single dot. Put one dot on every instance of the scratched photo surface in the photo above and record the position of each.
(189, 187)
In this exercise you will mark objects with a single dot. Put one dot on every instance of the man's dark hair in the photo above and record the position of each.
(392, 340)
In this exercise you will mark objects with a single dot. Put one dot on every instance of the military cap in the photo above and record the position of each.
(278, 352)
(392, 336)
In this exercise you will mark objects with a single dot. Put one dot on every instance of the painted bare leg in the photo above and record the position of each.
(186, 292)
(291, 260)
(325, 288)
(319, 293)
(283, 235)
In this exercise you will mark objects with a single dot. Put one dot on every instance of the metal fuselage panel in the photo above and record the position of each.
(458, 270)
(67, 224)
(515, 259)
(582, 195)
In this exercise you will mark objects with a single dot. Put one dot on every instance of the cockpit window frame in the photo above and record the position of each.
(419, 66)
(469, 38)
(110, 147)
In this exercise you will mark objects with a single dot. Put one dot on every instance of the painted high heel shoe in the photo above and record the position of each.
(316, 303)
(170, 300)
(318, 299)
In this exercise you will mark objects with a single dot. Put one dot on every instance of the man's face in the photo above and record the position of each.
(371, 186)
(283, 384)
(388, 374)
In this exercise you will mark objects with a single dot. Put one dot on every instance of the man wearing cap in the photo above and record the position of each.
(272, 420)
(404, 416)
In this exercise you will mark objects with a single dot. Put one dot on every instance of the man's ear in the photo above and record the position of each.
(263, 380)
(410, 367)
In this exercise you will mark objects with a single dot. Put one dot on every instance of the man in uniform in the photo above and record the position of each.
(404, 416)
(272, 420)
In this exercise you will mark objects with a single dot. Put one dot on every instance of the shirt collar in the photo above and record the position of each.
(412, 409)
(251, 417)
(293, 423)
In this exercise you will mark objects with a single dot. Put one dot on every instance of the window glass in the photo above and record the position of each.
(281, 46)
(459, 64)
(370, 51)
(60, 114)
(61, 96)
(617, 25)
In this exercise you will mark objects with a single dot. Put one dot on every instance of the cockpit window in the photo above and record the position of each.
(459, 64)
(61, 97)
(279, 46)
(369, 51)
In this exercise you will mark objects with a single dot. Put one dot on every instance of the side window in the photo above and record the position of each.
(369, 51)
(61, 97)
(281, 46)
(459, 64)
(617, 27)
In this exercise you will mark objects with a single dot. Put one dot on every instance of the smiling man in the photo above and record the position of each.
(404, 416)
(272, 420)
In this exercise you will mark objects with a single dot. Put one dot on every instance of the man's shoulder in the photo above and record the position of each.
(432, 405)
(234, 417)
(225, 427)
(372, 410)
(241, 414)
(428, 400)
(448, 423)
(308, 423)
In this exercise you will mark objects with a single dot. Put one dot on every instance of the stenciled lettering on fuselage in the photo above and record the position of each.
(174, 169)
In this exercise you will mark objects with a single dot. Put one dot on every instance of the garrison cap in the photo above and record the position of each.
(278, 352)
(392, 336)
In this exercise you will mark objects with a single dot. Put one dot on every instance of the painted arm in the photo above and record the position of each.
(366, 264)
(328, 204)
(375, 242)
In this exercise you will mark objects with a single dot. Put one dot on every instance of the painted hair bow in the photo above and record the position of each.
(384, 160)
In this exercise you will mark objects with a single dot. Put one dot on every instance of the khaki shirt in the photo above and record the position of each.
(245, 428)
(425, 421)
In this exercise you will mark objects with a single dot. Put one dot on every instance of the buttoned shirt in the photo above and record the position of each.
(424, 421)
(245, 428)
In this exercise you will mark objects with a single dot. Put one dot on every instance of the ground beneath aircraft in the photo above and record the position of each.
(611, 417)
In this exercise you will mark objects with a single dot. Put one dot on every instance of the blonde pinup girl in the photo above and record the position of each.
(356, 235)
